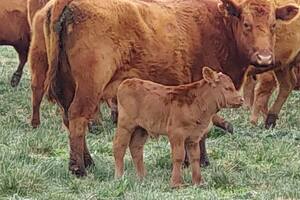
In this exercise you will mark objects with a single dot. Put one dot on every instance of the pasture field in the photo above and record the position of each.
(253, 163)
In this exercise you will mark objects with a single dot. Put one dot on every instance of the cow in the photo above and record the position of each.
(287, 54)
(15, 31)
(183, 113)
(258, 92)
(93, 45)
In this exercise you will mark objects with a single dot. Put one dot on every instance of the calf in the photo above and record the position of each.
(183, 113)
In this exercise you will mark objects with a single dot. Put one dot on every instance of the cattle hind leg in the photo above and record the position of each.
(136, 147)
(22, 51)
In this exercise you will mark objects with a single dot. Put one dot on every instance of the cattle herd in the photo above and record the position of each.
(165, 67)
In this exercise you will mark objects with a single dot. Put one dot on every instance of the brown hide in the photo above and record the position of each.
(14, 31)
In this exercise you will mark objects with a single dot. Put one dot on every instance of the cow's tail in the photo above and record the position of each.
(59, 84)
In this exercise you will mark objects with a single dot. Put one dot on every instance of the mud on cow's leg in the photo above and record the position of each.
(22, 51)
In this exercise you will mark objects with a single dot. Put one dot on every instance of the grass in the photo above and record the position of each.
(254, 163)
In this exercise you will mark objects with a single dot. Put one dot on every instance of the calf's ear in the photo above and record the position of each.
(229, 8)
(287, 13)
(210, 76)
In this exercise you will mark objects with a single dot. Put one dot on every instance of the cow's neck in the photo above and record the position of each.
(208, 102)
(232, 62)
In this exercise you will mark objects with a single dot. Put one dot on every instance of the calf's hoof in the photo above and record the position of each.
(229, 127)
(271, 121)
(15, 79)
(176, 185)
(35, 123)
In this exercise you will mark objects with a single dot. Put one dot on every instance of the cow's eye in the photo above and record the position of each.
(247, 26)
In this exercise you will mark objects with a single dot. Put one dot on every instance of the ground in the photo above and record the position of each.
(253, 163)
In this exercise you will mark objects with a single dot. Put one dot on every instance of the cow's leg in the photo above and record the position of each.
(120, 144)
(88, 160)
(136, 147)
(177, 146)
(287, 81)
(79, 114)
(222, 123)
(204, 161)
(248, 91)
(39, 65)
(22, 50)
(193, 152)
(266, 83)
(113, 104)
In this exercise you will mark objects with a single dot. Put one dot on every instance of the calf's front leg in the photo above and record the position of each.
(193, 152)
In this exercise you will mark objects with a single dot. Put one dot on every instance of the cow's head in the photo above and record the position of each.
(223, 88)
(253, 24)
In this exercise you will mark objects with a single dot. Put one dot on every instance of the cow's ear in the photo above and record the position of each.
(229, 8)
(287, 13)
(210, 76)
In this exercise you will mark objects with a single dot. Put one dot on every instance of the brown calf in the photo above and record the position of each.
(15, 31)
(183, 113)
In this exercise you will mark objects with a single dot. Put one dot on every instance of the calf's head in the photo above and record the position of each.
(222, 88)
(253, 25)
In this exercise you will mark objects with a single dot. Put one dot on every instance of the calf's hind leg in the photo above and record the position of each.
(120, 144)
(136, 147)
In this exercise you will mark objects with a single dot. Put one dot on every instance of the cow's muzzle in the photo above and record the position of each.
(263, 58)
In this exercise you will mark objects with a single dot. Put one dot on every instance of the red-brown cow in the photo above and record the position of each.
(93, 45)
(15, 31)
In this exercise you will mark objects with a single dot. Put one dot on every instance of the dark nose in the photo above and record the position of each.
(263, 57)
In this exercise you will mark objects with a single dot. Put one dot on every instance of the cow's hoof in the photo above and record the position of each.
(88, 161)
(114, 116)
(15, 79)
(185, 164)
(77, 171)
(92, 126)
(204, 162)
(35, 123)
(271, 121)
(229, 127)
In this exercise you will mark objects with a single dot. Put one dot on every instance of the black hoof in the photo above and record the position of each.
(204, 162)
(229, 127)
(77, 171)
(271, 121)
(15, 79)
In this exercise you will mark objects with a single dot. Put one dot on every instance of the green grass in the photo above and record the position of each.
(254, 163)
